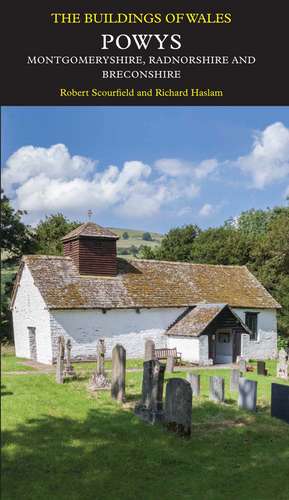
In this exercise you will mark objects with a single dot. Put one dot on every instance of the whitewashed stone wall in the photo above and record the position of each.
(187, 346)
(265, 347)
(124, 326)
(29, 310)
(204, 350)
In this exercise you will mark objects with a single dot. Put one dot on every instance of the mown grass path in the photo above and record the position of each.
(61, 442)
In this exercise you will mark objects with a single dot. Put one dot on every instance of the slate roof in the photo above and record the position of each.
(193, 322)
(90, 229)
(145, 283)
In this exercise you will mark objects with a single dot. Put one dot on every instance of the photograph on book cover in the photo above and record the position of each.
(145, 253)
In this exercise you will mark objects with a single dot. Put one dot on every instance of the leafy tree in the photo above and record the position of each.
(177, 244)
(270, 263)
(16, 238)
(147, 236)
(49, 233)
(254, 221)
(123, 251)
(125, 235)
(133, 250)
(6, 290)
(146, 252)
(222, 245)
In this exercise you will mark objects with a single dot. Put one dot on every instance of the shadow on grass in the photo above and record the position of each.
(133, 397)
(113, 455)
(230, 401)
(5, 393)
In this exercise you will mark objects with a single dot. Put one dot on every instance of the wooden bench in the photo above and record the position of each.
(165, 353)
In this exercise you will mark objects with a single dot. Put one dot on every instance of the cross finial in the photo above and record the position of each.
(89, 213)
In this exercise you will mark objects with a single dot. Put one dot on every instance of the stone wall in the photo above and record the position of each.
(263, 348)
(187, 346)
(29, 311)
(204, 350)
(124, 326)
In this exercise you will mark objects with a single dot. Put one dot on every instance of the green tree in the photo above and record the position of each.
(7, 281)
(147, 236)
(177, 244)
(16, 237)
(49, 233)
(270, 263)
(222, 245)
(133, 250)
(254, 221)
(125, 235)
(146, 252)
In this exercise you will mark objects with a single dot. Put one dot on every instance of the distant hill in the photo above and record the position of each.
(135, 239)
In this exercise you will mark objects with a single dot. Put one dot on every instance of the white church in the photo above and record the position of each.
(211, 314)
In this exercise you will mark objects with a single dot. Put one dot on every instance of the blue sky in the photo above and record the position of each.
(145, 167)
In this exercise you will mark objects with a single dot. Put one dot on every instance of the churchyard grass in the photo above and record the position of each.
(60, 441)
(9, 363)
(90, 365)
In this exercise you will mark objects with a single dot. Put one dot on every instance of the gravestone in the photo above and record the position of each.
(118, 373)
(60, 360)
(280, 402)
(234, 381)
(194, 380)
(242, 364)
(247, 399)
(261, 368)
(150, 408)
(217, 389)
(282, 364)
(170, 364)
(100, 354)
(99, 381)
(178, 406)
(69, 371)
(149, 350)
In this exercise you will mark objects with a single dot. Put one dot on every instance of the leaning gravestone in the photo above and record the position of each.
(170, 364)
(194, 380)
(69, 371)
(149, 350)
(118, 373)
(99, 380)
(247, 399)
(261, 368)
(242, 365)
(60, 360)
(178, 406)
(217, 389)
(150, 408)
(282, 365)
(280, 402)
(100, 355)
(234, 381)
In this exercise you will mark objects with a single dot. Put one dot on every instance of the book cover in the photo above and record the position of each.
(145, 250)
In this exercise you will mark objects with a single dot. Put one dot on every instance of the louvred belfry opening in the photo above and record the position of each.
(93, 249)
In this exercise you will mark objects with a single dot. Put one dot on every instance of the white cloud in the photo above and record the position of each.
(205, 168)
(184, 211)
(46, 180)
(175, 167)
(268, 160)
(54, 162)
(206, 210)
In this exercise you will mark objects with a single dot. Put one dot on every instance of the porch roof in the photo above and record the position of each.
(194, 321)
